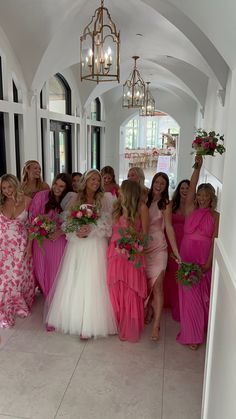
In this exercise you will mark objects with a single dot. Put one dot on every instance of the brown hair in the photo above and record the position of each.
(164, 201)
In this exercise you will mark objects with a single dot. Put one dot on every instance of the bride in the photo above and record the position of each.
(79, 303)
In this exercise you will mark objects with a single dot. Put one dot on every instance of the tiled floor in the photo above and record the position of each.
(50, 376)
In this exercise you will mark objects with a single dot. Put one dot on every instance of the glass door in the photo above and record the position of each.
(60, 148)
(3, 165)
(95, 148)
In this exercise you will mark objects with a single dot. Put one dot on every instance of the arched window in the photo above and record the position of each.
(96, 110)
(59, 95)
(15, 92)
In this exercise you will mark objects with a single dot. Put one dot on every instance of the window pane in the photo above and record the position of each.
(1, 88)
(57, 96)
(131, 134)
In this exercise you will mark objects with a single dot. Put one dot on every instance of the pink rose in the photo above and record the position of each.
(206, 145)
(89, 213)
(79, 214)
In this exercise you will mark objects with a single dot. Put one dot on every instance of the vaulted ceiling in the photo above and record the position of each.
(181, 43)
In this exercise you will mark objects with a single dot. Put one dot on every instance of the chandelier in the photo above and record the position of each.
(100, 48)
(149, 105)
(134, 89)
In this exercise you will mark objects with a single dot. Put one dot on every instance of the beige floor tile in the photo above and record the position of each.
(181, 358)
(110, 390)
(43, 342)
(182, 395)
(12, 417)
(32, 385)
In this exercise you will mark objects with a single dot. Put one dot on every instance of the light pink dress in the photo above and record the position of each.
(127, 287)
(46, 259)
(194, 302)
(16, 272)
(171, 294)
(156, 252)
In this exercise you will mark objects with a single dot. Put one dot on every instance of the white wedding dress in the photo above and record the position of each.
(80, 303)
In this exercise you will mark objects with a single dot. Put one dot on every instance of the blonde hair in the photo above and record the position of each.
(25, 174)
(140, 174)
(82, 196)
(128, 201)
(210, 190)
(14, 182)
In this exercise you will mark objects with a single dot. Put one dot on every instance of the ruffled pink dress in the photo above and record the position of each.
(194, 302)
(156, 251)
(171, 294)
(48, 258)
(127, 287)
(17, 283)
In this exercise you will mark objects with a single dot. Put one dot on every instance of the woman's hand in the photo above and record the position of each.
(205, 267)
(198, 162)
(83, 231)
(58, 233)
(28, 250)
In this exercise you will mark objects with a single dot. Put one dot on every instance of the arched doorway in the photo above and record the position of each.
(149, 143)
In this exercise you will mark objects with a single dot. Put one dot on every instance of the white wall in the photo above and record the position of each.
(220, 372)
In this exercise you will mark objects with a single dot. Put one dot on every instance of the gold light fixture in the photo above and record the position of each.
(149, 106)
(134, 89)
(100, 48)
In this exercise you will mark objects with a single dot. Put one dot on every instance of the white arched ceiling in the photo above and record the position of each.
(174, 11)
(173, 49)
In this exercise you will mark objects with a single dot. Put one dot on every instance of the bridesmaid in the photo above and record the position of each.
(156, 252)
(76, 176)
(16, 272)
(32, 181)
(201, 227)
(171, 294)
(47, 259)
(109, 180)
(136, 174)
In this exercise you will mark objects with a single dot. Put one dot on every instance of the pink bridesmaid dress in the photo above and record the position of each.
(127, 287)
(46, 259)
(194, 302)
(156, 251)
(171, 293)
(17, 283)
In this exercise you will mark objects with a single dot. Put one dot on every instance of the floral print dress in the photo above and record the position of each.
(16, 271)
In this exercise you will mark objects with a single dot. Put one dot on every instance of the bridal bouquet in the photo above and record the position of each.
(131, 243)
(40, 228)
(77, 216)
(188, 274)
(207, 144)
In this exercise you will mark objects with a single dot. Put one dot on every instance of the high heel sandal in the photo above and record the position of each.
(155, 334)
(193, 346)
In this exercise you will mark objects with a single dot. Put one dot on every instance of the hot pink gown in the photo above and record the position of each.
(46, 259)
(127, 287)
(17, 283)
(156, 251)
(171, 294)
(194, 302)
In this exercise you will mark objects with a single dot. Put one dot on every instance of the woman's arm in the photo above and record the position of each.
(190, 198)
(208, 263)
(144, 215)
(167, 214)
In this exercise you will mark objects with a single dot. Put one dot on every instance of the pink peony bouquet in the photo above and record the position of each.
(131, 244)
(207, 144)
(188, 274)
(77, 216)
(40, 228)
